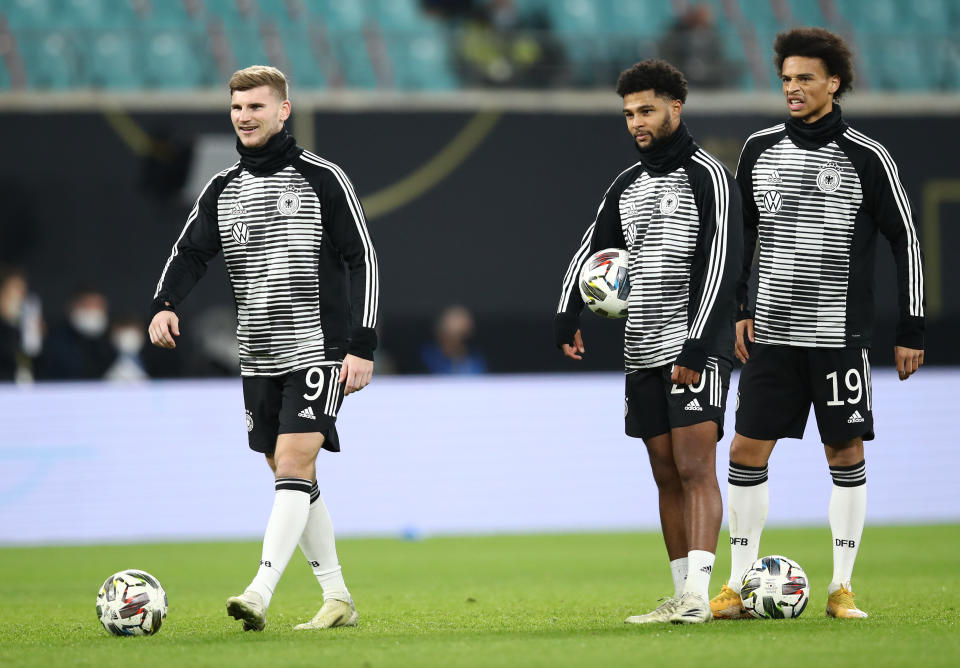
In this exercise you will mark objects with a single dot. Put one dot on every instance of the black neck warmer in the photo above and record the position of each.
(819, 133)
(669, 154)
(277, 153)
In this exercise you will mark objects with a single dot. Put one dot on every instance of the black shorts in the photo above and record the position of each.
(302, 401)
(778, 384)
(654, 405)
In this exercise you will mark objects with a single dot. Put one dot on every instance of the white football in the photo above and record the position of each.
(605, 283)
(775, 587)
(132, 603)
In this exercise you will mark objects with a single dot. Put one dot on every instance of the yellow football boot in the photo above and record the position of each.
(841, 605)
(727, 605)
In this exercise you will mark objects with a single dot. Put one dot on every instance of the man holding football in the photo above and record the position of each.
(677, 214)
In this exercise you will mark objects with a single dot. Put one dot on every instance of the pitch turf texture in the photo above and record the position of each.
(540, 600)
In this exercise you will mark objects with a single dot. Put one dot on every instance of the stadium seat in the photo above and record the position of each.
(353, 58)
(4, 76)
(806, 13)
(49, 57)
(876, 16)
(306, 72)
(399, 15)
(172, 61)
(760, 15)
(576, 17)
(577, 24)
(228, 11)
(420, 61)
(94, 14)
(340, 15)
(629, 17)
(897, 64)
(278, 12)
(35, 14)
(771, 79)
(246, 44)
(937, 15)
(170, 14)
(112, 62)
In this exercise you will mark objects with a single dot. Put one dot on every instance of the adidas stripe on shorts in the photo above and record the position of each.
(778, 384)
(302, 401)
(654, 405)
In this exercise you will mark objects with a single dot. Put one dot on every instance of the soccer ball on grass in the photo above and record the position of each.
(605, 283)
(775, 588)
(132, 603)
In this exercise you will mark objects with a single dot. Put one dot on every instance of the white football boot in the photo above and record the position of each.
(332, 613)
(662, 613)
(691, 609)
(249, 608)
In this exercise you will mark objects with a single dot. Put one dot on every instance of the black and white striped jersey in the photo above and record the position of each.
(814, 199)
(291, 229)
(680, 222)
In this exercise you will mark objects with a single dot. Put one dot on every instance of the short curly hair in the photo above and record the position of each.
(653, 74)
(817, 43)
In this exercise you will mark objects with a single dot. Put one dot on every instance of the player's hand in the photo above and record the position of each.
(744, 333)
(164, 326)
(908, 360)
(575, 351)
(356, 372)
(683, 376)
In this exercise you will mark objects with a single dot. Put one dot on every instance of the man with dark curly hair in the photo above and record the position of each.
(816, 192)
(677, 214)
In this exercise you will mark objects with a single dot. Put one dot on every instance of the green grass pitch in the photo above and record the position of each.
(526, 600)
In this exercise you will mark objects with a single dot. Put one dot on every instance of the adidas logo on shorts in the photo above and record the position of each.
(307, 413)
(856, 417)
(693, 406)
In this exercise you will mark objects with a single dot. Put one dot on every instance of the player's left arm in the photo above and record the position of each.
(716, 268)
(894, 215)
(344, 221)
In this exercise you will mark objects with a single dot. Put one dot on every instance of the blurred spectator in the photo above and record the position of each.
(79, 348)
(694, 46)
(128, 338)
(450, 353)
(500, 45)
(14, 360)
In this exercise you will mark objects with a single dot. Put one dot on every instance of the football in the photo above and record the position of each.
(775, 588)
(605, 283)
(132, 603)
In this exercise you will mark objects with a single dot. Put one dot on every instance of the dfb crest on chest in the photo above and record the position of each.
(288, 203)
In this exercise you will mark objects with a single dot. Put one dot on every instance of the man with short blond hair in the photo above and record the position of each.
(287, 222)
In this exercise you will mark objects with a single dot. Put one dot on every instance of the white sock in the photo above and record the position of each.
(748, 500)
(700, 566)
(678, 569)
(320, 549)
(848, 511)
(291, 505)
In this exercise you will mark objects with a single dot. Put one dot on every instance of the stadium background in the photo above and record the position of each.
(480, 143)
